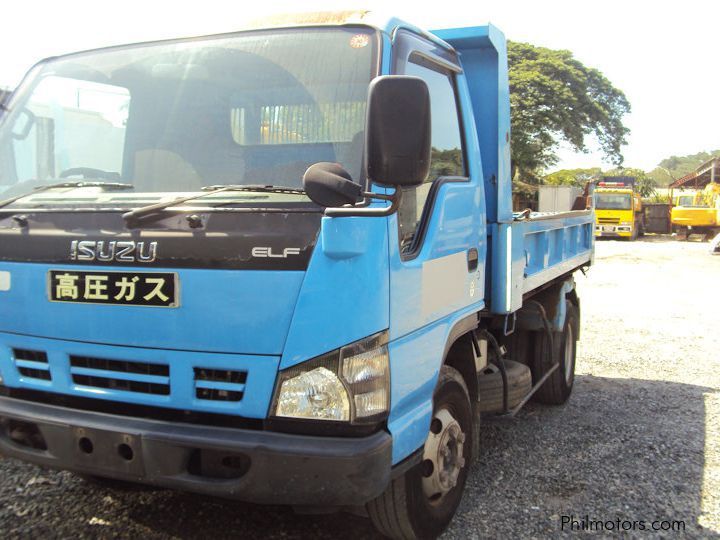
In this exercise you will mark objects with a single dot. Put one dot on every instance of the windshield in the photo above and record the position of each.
(692, 201)
(612, 201)
(171, 118)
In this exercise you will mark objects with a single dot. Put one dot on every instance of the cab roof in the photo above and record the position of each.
(378, 20)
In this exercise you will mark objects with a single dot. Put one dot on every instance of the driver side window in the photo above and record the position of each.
(447, 156)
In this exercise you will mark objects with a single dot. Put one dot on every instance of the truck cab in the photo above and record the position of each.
(279, 266)
(697, 212)
(618, 208)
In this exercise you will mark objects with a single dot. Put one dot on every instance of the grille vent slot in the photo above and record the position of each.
(32, 364)
(122, 375)
(219, 384)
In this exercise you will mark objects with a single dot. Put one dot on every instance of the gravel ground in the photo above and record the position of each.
(638, 440)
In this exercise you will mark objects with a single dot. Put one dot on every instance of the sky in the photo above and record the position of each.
(662, 54)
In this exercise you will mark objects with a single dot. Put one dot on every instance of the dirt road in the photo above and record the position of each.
(639, 439)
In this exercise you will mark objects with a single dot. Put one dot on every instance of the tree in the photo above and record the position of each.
(554, 98)
(571, 177)
(644, 184)
(675, 167)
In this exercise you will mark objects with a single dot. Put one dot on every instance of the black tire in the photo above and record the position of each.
(558, 387)
(490, 386)
(403, 511)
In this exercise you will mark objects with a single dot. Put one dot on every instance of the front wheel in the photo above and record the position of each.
(421, 503)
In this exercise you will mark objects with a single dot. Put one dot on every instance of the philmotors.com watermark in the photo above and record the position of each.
(586, 523)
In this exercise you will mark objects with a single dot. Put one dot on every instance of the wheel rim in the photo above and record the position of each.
(569, 358)
(443, 456)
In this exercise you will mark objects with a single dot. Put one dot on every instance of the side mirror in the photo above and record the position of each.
(23, 124)
(331, 186)
(398, 129)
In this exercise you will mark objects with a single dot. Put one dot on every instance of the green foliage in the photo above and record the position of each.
(446, 162)
(571, 177)
(644, 184)
(658, 198)
(555, 98)
(679, 166)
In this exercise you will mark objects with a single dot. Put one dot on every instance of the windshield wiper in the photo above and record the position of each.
(145, 211)
(59, 185)
(254, 187)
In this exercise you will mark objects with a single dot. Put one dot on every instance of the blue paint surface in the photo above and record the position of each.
(235, 311)
(344, 297)
(356, 285)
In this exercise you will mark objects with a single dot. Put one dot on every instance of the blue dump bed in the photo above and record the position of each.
(525, 252)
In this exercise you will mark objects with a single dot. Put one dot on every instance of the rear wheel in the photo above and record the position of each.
(558, 387)
(421, 503)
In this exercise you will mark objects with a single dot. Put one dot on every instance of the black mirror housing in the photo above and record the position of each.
(398, 131)
(331, 186)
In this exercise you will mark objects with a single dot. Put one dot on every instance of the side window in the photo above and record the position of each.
(447, 150)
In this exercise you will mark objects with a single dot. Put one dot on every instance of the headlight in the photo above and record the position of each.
(317, 394)
(349, 384)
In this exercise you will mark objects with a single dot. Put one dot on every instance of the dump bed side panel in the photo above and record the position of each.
(529, 253)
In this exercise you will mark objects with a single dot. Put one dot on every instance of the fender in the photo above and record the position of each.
(553, 300)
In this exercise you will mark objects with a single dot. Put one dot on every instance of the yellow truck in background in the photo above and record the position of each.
(697, 213)
(618, 208)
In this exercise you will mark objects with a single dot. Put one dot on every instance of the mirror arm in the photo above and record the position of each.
(381, 196)
(349, 211)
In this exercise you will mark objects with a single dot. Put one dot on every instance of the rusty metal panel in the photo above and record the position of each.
(657, 217)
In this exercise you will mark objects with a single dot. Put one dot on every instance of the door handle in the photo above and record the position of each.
(472, 259)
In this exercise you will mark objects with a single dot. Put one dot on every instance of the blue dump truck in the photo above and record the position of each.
(279, 265)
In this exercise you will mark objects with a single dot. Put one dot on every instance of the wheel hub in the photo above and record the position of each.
(443, 456)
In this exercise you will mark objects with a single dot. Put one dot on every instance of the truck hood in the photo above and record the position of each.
(229, 300)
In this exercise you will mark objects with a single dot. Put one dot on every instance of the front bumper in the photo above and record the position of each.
(253, 466)
(613, 234)
(617, 231)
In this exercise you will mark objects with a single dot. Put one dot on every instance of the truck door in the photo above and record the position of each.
(438, 239)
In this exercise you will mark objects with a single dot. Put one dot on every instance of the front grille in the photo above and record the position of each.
(194, 383)
(609, 221)
(32, 364)
(140, 377)
(219, 384)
